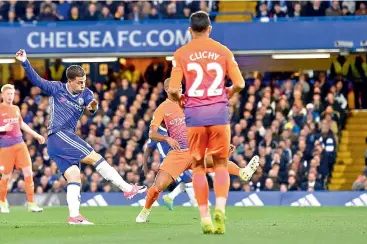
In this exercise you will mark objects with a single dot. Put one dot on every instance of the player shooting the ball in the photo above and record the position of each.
(67, 104)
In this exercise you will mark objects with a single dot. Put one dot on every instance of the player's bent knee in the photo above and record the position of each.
(220, 161)
(91, 158)
(209, 161)
(163, 180)
(72, 174)
(27, 171)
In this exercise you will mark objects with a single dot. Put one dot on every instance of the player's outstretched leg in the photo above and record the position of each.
(72, 175)
(110, 174)
(201, 189)
(184, 184)
(221, 188)
(29, 190)
(4, 207)
(170, 197)
(162, 180)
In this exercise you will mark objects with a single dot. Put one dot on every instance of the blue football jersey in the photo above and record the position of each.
(163, 147)
(65, 107)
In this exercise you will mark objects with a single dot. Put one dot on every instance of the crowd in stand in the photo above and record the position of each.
(294, 9)
(33, 11)
(293, 125)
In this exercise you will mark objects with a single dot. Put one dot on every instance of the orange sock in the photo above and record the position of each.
(221, 182)
(233, 169)
(201, 189)
(152, 196)
(3, 189)
(200, 185)
(29, 188)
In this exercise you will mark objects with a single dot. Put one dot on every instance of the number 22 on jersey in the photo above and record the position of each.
(213, 90)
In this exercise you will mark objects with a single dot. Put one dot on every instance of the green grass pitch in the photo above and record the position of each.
(244, 225)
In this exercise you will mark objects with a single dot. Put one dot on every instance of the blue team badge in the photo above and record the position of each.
(80, 101)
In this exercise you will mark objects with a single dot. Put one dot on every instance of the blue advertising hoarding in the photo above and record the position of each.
(237, 199)
(120, 38)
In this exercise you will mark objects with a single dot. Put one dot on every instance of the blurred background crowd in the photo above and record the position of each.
(293, 124)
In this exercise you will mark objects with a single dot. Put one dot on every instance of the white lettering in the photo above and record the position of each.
(122, 37)
(216, 56)
(31, 43)
(108, 40)
(192, 57)
(60, 40)
(83, 37)
(70, 41)
(94, 38)
(45, 40)
(211, 55)
(131, 38)
(204, 54)
(149, 38)
(181, 39)
(171, 37)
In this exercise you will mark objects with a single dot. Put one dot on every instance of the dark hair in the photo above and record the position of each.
(74, 71)
(199, 21)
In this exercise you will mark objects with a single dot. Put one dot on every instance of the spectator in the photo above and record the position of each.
(29, 15)
(92, 13)
(345, 11)
(153, 15)
(362, 10)
(316, 10)
(269, 185)
(74, 14)
(154, 73)
(278, 13)
(48, 3)
(334, 10)
(297, 11)
(171, 11)
(47, 14)
(105, 14)
(292, 184)
(186, 13)
(263, 11)
(311, 184)
(120, 13)
(63, 9)
(136, 15)
(12, 17)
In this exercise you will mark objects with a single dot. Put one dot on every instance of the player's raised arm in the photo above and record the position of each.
(48, 87)
(176, 78)
(234, 74)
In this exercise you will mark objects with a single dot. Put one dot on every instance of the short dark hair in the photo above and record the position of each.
(199, 21)
(74, 71)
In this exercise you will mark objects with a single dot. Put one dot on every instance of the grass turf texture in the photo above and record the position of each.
(244, 225)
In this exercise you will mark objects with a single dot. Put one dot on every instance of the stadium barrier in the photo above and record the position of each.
(238, 199)
(65, 39)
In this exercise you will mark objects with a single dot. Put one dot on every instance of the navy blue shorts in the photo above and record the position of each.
(67, 149)
(185, 177)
